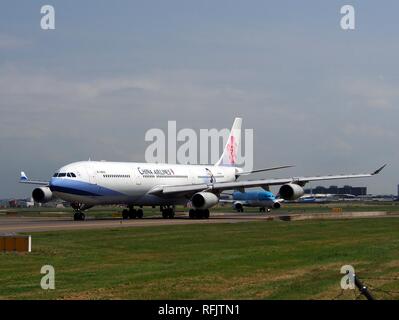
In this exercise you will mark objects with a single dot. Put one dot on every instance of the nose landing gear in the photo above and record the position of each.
(79, 216)
(239, 207)
(79, 208)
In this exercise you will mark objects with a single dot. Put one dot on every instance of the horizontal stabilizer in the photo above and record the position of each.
(24, 179)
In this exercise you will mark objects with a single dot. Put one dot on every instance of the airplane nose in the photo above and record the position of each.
(54, 182)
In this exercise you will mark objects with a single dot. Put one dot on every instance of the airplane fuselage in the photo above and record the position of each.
(102, 182)
(262, 199)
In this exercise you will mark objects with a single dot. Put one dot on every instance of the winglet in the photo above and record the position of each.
(379, 170)
(23, 177)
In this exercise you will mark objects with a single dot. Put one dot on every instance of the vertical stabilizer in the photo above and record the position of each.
(230, 152)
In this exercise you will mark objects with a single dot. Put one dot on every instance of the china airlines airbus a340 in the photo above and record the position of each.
(89, 183)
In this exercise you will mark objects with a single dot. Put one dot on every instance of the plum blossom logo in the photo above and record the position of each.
(232, 150)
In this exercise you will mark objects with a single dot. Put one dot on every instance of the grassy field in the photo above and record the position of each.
(252, 260)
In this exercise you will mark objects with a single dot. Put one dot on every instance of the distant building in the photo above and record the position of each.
(21, 203)
(13, 203)
(355, 191)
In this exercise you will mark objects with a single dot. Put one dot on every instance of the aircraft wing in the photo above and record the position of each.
(263, 170)
(221, 186)
(24, 179)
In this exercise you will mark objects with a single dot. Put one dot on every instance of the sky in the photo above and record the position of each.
(315, 95)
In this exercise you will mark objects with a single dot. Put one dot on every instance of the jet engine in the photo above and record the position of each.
(291, 191)
(204, 200)
(276, 205)
(42, 194)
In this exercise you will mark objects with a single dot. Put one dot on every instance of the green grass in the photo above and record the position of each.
(252, 260)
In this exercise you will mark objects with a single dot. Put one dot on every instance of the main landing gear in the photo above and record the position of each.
(198, 214)
(263, 209)
(168, 212)
(132, 213)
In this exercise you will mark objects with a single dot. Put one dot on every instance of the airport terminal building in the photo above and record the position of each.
(356, 191)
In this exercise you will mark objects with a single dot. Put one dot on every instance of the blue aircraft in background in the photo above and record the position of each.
(265, 200)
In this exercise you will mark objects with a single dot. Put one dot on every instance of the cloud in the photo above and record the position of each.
(372, 93)
(9, 42)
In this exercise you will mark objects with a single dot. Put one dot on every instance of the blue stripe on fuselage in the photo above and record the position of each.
(73, 186)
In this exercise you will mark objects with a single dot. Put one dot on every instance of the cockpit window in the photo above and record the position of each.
(73, 175)
(55, 175)
(63, 174)
(68, 174)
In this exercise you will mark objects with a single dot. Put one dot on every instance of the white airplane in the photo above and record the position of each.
(89, 183)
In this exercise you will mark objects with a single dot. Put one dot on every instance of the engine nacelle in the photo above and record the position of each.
(42, 195)
(276, 205)
(291, 191)
(204, 200)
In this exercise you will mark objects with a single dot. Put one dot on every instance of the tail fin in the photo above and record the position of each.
(23, 177)
(229, 155)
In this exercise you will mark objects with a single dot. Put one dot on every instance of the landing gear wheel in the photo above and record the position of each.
(168, 213)
(125, 214)
(139, 213)
(79, 216)
(132, 214)
(205, 214)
